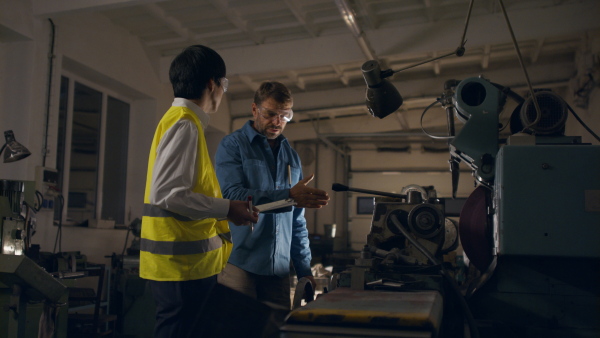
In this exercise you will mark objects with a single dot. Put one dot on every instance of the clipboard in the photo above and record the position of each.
(276, 205)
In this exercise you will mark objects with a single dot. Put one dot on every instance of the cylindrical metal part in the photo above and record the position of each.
(414, 197)
(371, 72)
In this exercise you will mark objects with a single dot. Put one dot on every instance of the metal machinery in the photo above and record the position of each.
(28, 294)
(14, 225)
(392, 290)
(529, 230)
(133, 301)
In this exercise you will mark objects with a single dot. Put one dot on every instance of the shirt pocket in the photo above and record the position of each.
(296, 172)
(257, 174)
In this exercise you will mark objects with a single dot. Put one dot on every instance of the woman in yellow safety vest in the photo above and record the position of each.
(185, 240)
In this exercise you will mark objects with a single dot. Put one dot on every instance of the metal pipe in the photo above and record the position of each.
(48, 94)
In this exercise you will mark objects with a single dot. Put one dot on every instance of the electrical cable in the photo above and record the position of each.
(40, 198)
(582, 123)
(460, 50)
(423, 129)
(516, 45)
(509, 93)
(463, 40)
(454, 286)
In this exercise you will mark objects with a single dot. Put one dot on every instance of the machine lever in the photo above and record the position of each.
(341, 187)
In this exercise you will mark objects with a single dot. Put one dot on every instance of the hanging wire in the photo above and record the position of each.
(463, 40)
(460, 51)
(438, 100)
(582, 123)
(516, 45)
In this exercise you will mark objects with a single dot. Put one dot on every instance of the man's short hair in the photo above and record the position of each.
(193, 68)
(272, 89)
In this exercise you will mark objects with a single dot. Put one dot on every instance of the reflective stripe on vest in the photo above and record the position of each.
(154, 211)
(177, 248)
(181, 248)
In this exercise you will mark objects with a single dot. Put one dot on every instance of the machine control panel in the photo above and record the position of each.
(46, 182)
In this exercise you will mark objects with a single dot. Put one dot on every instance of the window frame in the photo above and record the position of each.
(66, 165)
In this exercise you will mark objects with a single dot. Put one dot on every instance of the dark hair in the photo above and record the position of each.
(192, 69)
(272, 89)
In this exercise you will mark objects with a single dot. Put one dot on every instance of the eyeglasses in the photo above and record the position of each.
(224, 83)
(284, 114)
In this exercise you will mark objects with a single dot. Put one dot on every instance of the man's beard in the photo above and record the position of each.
(264, 129)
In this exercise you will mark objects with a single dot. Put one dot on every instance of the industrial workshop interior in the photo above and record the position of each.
(457, 140)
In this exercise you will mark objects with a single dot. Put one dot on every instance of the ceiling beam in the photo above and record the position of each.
(160, 14)
(401, 118)
(528, 24)
(302, 19)
(537, 50)
(343, 78)
(45, 8)
(368, 14)
(411, 40)
(293, 76)
(485, 59)
(351, 21)
(236, 20)
(428, 9)
(247, 80)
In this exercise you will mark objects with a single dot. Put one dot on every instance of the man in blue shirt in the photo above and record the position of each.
(258, 161)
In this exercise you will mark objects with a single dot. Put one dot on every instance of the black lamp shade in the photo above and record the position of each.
(14, 150)
(383, 99)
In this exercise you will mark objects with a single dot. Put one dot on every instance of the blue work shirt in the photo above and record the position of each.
(246, 166)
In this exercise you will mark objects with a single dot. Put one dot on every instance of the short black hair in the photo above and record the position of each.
(193, 68)
(272, 89)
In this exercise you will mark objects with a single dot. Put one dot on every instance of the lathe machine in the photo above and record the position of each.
(529, 232)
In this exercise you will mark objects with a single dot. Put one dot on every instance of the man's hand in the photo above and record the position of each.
(307, 197)
(240, 215)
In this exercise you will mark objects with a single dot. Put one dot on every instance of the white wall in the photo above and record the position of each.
(91, 47)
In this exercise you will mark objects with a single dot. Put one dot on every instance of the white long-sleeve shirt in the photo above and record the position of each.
(175, 171)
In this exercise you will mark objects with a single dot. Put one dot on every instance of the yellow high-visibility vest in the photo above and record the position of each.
(174, 247)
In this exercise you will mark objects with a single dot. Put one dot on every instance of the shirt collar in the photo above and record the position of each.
(251, 133)
(203, 116)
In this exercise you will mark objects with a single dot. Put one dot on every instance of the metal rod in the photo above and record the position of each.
(462, 40)
(423, 62)
(341, 187)
(514, 40)
(458, 52)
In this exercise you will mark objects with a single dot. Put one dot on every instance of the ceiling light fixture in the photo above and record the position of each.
(382, 98)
